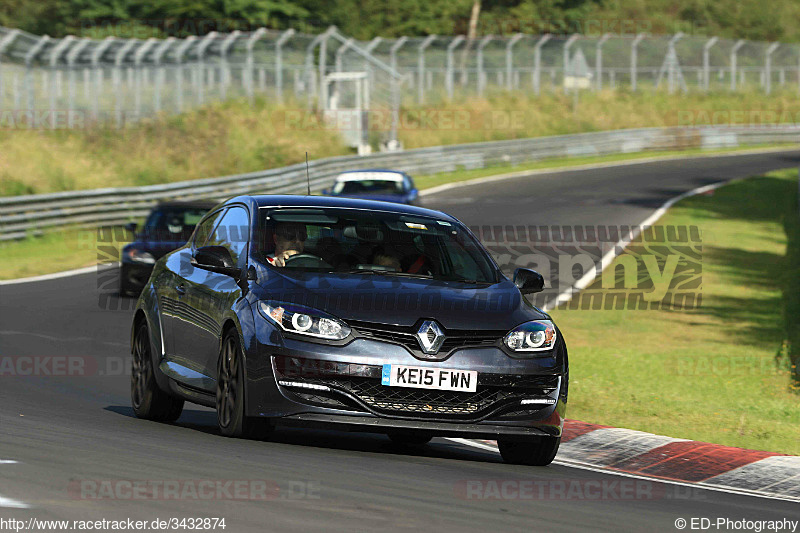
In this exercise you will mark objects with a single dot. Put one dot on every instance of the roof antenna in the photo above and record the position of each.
(308, 179)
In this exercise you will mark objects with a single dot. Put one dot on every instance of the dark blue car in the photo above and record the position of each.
(168, 226)
(349, 314)
(376, 184)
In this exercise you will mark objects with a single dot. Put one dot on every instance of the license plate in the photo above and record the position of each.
(429, 378)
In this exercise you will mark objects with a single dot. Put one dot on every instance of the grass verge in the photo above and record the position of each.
(718, 373)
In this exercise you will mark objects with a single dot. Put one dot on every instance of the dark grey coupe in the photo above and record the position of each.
(349, 314)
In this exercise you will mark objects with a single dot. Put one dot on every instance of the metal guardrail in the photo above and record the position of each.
(21, 216)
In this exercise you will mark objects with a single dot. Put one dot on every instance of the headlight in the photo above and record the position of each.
(139, 256)
(535, 336)
(304, 321)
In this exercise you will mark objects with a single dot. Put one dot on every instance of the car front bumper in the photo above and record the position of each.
(340, 387)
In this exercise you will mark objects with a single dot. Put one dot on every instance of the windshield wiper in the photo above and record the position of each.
(385, 273)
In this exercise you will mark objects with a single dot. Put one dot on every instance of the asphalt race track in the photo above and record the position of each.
(75, 440)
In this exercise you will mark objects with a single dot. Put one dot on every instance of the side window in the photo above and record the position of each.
(204, 229)
(232, 232)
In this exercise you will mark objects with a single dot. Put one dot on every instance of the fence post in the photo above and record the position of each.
(421, 67)
(179, 54)
(338, 67)
(734, 51)
(285, 36)
(572, 38)
(72, 57)
(598, 61)
(768, 67)
(55, 54)
(634, 59)
(481, 76)
(97, 54)
(158, 54)
(537, 62)
(205, 42)
(138, 57)
(224, 52)
(5, 42)
(706, 62)
(318, 40)
(29, 59)
(510, 59)
(247, 74)
(449, 81)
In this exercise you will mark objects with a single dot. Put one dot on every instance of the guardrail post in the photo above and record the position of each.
(510, 59)
(768, 67)
(734, 52)
(634, 59)
(598, 61)
(285, 36)
(572, 38)
(706, 62)
(537, 62)
(450, 75)
(421, 67)
(481, 75)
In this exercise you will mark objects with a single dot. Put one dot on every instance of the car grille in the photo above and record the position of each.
(407, 337)
(359, 387)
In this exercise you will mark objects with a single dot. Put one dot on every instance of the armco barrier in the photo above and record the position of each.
(31, 214)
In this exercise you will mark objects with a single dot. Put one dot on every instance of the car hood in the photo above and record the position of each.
(399, 301)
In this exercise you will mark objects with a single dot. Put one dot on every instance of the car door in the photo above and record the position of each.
(177, 314)
(211, 293)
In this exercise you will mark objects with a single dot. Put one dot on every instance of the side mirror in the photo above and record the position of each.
(215, 259)
(131, 226)
(528, 281)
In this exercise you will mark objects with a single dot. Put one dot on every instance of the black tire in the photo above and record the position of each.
(147, 399)
(231, 417)
(409, 438)
(539, 452)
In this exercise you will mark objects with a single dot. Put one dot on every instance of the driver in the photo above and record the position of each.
(289, 240)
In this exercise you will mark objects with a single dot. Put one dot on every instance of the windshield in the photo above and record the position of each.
(368, 186)
(167, 223)
(359, 243)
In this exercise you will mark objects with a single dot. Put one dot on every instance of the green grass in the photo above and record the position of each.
(718, 373)
(234, 137)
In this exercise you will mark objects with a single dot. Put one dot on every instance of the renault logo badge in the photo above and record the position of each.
(430, 337)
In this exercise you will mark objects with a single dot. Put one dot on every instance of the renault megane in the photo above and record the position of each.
(349, 314)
